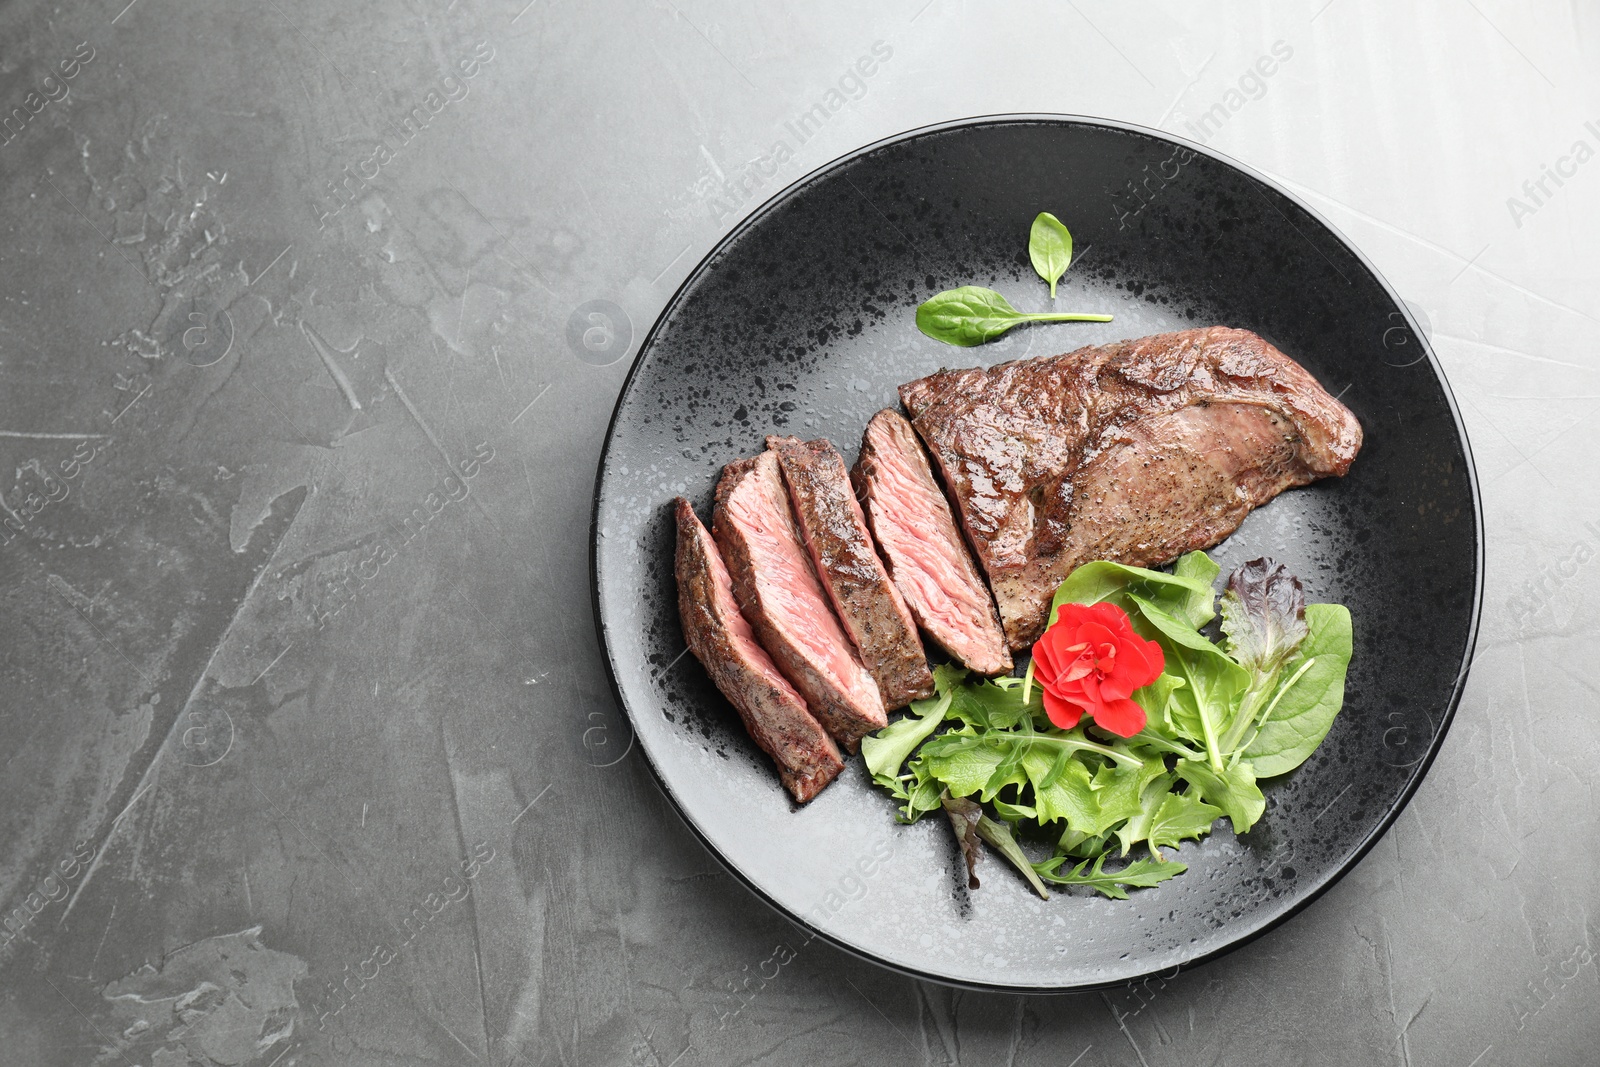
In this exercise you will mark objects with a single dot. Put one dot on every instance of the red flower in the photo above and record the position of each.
(1090, 661)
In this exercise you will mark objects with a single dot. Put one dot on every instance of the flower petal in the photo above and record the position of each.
(1082, 667)
(1061, 713)
(1046, 666)
(1118, 685)
(1110, 616)
(1121, 717)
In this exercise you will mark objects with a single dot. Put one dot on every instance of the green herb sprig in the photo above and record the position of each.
(1050, 248)
(972, 315)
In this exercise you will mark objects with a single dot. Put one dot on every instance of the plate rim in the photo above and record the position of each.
(767, 207)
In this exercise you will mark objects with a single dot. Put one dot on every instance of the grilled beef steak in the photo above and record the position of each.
(835, 533)
(718, 635)
(776, 586)
(1136, 452)
(926, 557)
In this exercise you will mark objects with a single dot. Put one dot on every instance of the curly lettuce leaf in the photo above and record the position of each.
(995, 703)
(1181, 816)
(1263, 614)
(1233, 789)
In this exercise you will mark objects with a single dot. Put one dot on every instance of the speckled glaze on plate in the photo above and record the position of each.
(801, 321)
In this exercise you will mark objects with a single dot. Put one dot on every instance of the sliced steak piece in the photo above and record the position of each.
(835, 533)
(926, 556)
(1135, 451)
(721, 638)
(776, 586)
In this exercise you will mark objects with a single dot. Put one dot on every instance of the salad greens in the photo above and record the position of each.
(1220, 717)
(970, 315)
(1050, 248)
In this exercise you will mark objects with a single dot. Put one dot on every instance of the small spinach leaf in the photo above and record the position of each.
(1308, 697)
(970, 315)
(1185, 595)
(1050, 248)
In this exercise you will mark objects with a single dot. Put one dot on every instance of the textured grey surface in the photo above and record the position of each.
(298, 683)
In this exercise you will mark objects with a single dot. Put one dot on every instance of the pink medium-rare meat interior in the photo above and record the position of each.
(788, 609)
(866, 602)
(927, 559)
(773, 712)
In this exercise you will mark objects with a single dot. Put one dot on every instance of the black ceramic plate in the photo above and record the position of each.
(801, 321)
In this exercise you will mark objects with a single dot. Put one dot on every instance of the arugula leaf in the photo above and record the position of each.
(1141, 873)
(970, 315)
(1312, 691)
(1181, 815)
(1234, 790)
(917, 790)
(964, 816)
(1263, 614)
(887, 749)
(1050, 248)
(922, 794)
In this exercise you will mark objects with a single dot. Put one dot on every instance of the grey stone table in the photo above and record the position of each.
(306, 753)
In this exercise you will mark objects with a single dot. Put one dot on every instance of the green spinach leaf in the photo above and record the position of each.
(1204, 705)
(1050, 248)
(1310, 694)
(971, 315)
(1201, 569)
